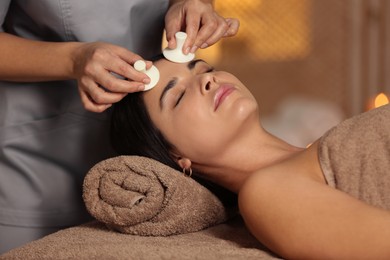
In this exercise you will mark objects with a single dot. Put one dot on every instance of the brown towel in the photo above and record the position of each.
(227, 241)
(140, 196)
(355, 157)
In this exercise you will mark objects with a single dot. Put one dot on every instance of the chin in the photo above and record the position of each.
(244, 109)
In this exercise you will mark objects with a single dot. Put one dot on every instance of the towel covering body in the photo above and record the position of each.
(355, 157)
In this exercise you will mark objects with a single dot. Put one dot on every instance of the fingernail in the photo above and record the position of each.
(204, 45)
(186, 51)
(141, 88)
(146, 80)
(194, 48)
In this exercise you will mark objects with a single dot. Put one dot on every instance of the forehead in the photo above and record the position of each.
(168, 70)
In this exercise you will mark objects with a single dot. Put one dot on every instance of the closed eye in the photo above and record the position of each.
(179, 99)
(210, 69)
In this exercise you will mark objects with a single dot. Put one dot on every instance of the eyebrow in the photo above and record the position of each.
(172, 82)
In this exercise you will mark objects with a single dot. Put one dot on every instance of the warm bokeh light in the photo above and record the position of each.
(269, 30)
(381, 100)
(377, 101)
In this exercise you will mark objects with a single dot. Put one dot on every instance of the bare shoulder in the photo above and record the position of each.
(301, 169)
(297, 216)
(298, 172)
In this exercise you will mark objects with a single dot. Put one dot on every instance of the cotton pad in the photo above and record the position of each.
(177, 55)
(153, 73)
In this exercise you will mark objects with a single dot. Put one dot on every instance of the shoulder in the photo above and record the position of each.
(271, 203)
(302, 166)
(285, 211)
(265, 187)
(269, 192)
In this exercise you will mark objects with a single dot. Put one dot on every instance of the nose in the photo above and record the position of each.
(208, 83)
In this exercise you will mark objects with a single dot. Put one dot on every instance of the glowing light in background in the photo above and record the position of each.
(269, 30)
(381, 100)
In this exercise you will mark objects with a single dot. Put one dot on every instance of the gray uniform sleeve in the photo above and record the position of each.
(4, 5)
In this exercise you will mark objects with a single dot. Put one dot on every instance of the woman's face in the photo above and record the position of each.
(198, 109)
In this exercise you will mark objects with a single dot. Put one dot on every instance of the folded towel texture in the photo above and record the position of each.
(227, 241)
(355, 157)
(140, 196)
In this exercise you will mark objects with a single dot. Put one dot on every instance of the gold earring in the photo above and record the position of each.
(189, 172)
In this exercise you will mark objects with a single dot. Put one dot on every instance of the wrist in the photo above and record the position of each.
(74, 51)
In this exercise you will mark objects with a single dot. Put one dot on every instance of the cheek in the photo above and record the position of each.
(195, 132)
(200, 134)
(203, 136)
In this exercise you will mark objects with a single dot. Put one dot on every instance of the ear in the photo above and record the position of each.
(184, 163)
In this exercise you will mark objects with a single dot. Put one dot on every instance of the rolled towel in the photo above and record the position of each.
(140, 196)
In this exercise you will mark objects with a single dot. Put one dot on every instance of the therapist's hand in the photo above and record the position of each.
(198, 19)
(94, 65)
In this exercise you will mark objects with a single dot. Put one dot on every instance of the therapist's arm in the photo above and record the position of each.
(198, 18)
(90, 64)
(28, 60)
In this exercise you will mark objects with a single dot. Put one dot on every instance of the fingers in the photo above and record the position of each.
(173, 24)
(98, 94)
(203, 25)
(123, 66)
(118, 84)
(213, 30)
(234, 25)
(192, 30)
(90, 105)
(227, 28)
(105, 75)
(96, 98)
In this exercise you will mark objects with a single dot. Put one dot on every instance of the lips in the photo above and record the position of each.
(221, 94)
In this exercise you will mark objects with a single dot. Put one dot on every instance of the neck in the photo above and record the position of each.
(247, 155)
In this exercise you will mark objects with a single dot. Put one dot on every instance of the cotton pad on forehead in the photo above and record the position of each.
(153, 73)
(177, 55)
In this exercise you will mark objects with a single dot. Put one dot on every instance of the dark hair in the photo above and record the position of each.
(133, 133)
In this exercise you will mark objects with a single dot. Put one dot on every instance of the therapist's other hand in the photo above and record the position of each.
(94, 64)
(203, 25)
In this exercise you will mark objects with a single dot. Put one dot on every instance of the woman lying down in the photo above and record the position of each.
(331, 200)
